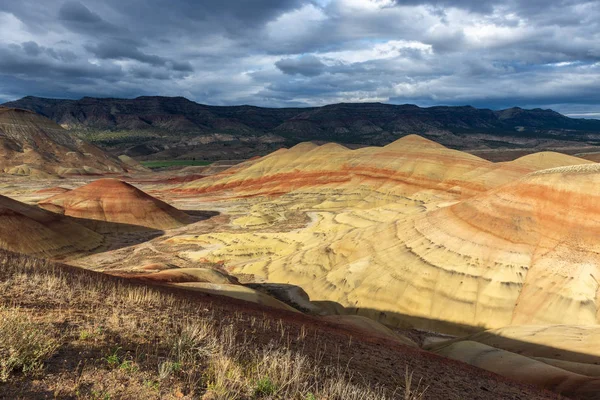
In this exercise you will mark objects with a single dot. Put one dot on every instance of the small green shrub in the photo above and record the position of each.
(128, 366)
(113, 360)
(84, 335)
(265, 387)
(150, 384)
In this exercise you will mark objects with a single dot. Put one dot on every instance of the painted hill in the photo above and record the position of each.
(111, 200)
(31, 230)
(525, 253)
(417, 234)
(176, 127)
(411, 166)
(36, 146)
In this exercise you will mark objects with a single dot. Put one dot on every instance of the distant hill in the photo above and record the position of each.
(36, 146)
(172, 127)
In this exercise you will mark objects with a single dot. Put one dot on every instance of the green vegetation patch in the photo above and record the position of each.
(173, 163)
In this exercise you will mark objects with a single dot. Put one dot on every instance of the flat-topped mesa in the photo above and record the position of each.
(38, 147)
(30, 230)
(111, 200)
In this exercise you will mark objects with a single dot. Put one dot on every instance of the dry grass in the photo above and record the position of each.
(105, 338)
(24, 345)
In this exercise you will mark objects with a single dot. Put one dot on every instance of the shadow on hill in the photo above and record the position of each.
(296, 297)
(574, 374)
(201, 215)
(119, 235)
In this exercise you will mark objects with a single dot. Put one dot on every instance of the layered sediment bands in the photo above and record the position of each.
(432, 249)
(524, 253)
(36, 146)
(408, 165)
(111, 200)
(30, 230)
(411, 167)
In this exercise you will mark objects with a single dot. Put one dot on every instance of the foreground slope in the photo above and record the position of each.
(98, 335)
(111, 200)
(33, 145)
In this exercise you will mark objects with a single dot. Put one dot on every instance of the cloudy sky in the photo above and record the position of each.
(495, 54)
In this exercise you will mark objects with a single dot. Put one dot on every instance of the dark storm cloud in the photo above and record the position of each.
(29, 60)
(123, 49)
(306, 52)
(77, 13)
(307, 66)
(77, 17)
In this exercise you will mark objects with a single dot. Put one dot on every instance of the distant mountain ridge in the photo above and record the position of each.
(176, 126)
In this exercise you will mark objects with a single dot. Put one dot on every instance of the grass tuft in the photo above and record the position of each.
(24, 344)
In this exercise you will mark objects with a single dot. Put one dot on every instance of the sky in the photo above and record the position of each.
(277, 53)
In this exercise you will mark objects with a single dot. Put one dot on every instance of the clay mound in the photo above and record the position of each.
(547, 159)
(36, 146)
(413, 141)
(329, 148)
(301, 148)
(236, 292)
(182, 275)
(111, 200)
(408, 166)
(53, 190)
(31, 230)
(507, 172)
(28, 170)
(562, 358)
(535, 243)
(521, 368)
(568, 343)
(369, 326)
